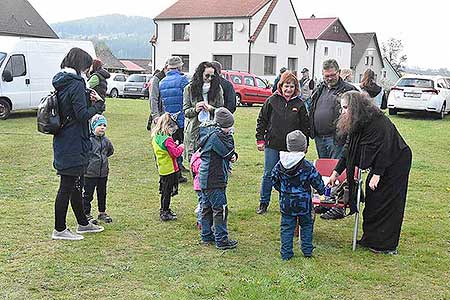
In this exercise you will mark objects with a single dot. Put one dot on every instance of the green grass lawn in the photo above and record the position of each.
(138, 257)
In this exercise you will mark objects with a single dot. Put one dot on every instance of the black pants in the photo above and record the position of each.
(70, 188)
(168, 187)
(90, 183)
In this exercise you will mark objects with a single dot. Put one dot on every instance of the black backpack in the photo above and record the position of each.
(48, 117)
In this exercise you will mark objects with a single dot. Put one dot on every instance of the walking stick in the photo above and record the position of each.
(358, 203)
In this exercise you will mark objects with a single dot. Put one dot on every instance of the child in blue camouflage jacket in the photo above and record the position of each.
(293, 177)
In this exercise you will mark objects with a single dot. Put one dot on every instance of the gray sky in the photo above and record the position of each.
(422, 29)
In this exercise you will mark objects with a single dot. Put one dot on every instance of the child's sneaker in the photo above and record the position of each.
(66, 234)
(91, 219)
(227, 244)
(166, 216)
(89, 228)
(104, 217)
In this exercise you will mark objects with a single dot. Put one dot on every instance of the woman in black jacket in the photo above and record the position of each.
(71, 145)
(282, 113)
(374, 143)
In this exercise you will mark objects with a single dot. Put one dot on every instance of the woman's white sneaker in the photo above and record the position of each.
(66, 234)
(89, 228)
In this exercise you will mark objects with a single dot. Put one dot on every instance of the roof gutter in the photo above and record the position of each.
(249, 45)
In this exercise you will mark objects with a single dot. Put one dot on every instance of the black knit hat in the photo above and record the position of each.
(224, 117)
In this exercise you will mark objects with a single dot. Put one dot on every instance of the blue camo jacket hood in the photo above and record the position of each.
(294, 185)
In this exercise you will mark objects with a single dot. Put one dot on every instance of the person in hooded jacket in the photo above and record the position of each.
(216, 153)
(71, 145)
(97, 80)
(282, 113)
(293, 177)
(369, 86)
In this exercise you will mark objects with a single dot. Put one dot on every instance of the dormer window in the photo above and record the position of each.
(335, 29)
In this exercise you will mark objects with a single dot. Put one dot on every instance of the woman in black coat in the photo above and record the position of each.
(282, 113)
(374, 143)
(71, 145)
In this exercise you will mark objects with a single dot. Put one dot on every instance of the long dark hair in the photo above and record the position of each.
(77, 59)
(197, 82)
(368, 78)
(361, 112)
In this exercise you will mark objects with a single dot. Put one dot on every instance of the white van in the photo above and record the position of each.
(27, 67)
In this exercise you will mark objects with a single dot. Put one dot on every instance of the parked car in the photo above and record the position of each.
(134, 86)
(116, 84)
(420, 93)
(249, 88)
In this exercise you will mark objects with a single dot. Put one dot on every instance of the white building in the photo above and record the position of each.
(366, 54)
(389, 75)
(327, 38)
(257, 36)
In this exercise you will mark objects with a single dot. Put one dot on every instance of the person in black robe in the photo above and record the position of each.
(374, 143)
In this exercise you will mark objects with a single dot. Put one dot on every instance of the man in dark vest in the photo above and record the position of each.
(229, 94)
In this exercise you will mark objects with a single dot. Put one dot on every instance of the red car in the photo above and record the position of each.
(249, 88)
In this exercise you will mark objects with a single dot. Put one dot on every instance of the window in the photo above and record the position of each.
(120, 78)
(416, 82)
(2, 58)
(137, 78)
(292, 64)
(325, 51)
(273, 33)
(248, 80)
(269, 65)
(292, 35)
(335, 28)
(185, 59)
(236, 79)
(223, 31)
(384, 74)
(367, 61)
(339, 51)
(260, 83)
(371, 60)
(225, 60)
(180, 32)
(16, 65)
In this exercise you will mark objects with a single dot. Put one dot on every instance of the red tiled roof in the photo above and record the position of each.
(131, 66)
(189, 9)
(314, 27)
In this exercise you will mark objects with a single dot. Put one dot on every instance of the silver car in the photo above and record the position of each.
(135, 86)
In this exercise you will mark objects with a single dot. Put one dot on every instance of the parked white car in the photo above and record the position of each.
(116, 84)
(420, 93)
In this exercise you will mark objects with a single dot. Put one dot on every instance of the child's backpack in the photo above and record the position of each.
(48, 118)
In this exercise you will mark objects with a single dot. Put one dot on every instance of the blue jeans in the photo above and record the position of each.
(326, 147)
(287, 229)
(271, 157)
(214, 213)
(199, 206)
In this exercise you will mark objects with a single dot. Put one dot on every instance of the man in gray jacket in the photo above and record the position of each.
(156, 107)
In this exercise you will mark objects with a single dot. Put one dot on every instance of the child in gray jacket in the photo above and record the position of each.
(97, 171)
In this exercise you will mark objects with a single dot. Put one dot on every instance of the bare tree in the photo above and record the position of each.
(392, 50)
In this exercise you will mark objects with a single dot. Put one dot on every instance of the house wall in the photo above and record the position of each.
(342, 56)
(362, 66)
(391, 76)
(202, 46)
(283, 15)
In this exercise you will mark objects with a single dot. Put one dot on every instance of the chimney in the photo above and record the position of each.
(313, 16)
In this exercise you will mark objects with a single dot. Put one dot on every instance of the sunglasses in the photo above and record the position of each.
(208, 76)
